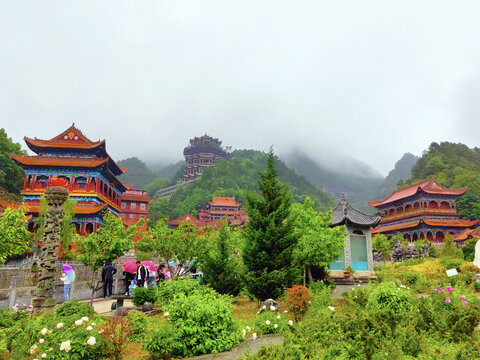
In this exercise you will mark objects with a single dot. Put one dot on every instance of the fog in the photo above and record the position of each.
(367, 80)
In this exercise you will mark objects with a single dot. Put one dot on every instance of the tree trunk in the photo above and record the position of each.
(310, 277)
(94, 287)
(304, 276)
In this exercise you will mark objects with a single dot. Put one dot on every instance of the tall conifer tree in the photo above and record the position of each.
(270, 237)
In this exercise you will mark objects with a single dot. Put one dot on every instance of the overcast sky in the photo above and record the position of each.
(361, 78)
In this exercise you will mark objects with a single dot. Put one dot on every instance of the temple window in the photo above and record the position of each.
(142, 206)
(132, 216)
(133, 206)
(124, 205)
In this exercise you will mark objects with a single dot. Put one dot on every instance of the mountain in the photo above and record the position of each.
(138, 174)
(401, 172)
(172, 171)
(235, 177)
(358, 187)
(453, 165)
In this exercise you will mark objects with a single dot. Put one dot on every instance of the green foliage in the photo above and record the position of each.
(266, 321)
(15, 239)
(157, 184)
(318, 242)
(388, 296)
(222, 264)
(141, 295)
(468, 249)
(200, 324)
(140, 324)
(162, 343)
(451, 263)
(270, 238)
(168, 290)
(77, 308)
(450, 249)
(382, 244)
(11, 174)
(138, 174)
(158, 209)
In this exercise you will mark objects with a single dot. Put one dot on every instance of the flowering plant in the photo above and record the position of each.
(270, 323)
(298, 300)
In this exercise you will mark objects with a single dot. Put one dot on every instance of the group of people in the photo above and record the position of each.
(145, 277)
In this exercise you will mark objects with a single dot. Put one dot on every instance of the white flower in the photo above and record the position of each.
(264, 307)
(290, 322)
(267, 322)
(41, 341)
(100, 331)
(278, 316)
(33, 349)
(44, 331)
(248, 328)
(275, 326)
(309, 302)
(244, 332)
(254, 336)
(91, 341)
(59, 325)
(272, 308)
(44, 355)
(93, 324)
(65, 346)
(85, 319)
(166, 314)
(331, 308)
(78, 322)
(89, 328)
(286, 311)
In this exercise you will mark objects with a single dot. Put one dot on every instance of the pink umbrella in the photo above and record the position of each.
(131, 266)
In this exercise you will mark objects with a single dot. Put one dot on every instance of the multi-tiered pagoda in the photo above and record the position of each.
(425, 210)
(89, 171)
(202, 152)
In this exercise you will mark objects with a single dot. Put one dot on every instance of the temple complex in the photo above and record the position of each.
(87, 168)
(134, 206)
(358, 243)
(202, 152)
(425, 210)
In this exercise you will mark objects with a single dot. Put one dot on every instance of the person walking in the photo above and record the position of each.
(67, 283)
(107, 277)
(141, 276)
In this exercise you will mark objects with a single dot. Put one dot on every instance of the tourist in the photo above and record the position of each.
(107, 277)
(67, 283)
(180, 270)
(160, 274)
(128, 280)
(166, 274)
(141, 276)
(151, 278)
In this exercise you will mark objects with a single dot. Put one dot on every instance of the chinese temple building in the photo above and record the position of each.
(425, 210)
(134, 206)
(202, 152)
(197, 224)
(87, 168)
(467, 234)
(223, 207)
(358, 243)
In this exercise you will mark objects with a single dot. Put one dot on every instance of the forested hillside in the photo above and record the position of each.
(235, 177)
(400, 173)
(453, 165)
(138, 174)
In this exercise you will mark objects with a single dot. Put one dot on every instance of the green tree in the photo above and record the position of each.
(15, 239)
(157, 184)
(318, 243)
(106, 245)
(11, 174)
(222, 264)
(383, 245)
(158, 209)
(269, 238)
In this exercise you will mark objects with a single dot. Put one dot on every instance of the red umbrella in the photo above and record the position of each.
(131, 266)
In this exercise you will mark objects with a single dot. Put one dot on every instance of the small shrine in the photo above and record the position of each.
(358, 247)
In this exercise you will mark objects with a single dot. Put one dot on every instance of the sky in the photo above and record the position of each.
(368, 80)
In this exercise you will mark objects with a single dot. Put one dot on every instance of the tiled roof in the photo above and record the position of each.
(135, 197)
(468, 234)
(81, 209)
(223, 201)
(72, 137)
(189, 218)
(430, 186)
(344, 213)
(59, 161)
(452, 223)
(430, 222)
(393, 227)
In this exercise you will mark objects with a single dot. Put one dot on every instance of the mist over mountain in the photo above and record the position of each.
(138, 173)
(357, 181)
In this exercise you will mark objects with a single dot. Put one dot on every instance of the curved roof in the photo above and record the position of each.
(224, 201)
(431, 222)
(59, 161)
(80, 209)
(344, 213)
(429, 186)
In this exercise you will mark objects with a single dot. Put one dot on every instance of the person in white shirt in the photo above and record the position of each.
(66, 286)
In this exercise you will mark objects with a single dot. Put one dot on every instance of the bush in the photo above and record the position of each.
(468, 249)
(168, 290)
(298, 300)
(387, 295)
(451, 263)
(9, 317)
(115, 335)
(141, 295)
(139, 322)
(266, 321)
(200, 323)
(77, 308)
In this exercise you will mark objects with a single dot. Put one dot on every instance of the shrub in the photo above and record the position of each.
(9, 317)
(266, 321)
(139, 322)
(115, 335)
(77, 308)
(451, 263)
(387, 295)
(161, 343)
(298, 299)
(168, 290)
(141, 295)
(468, 249)
(201, 322)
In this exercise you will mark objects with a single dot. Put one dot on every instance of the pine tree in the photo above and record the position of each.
(270, 238)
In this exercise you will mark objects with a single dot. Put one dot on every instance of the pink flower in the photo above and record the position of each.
(447, 300)
(449, 289)
(464, 302)
(442, 291)
(435, 290)
(462, 297)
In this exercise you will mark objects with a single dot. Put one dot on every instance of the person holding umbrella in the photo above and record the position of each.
(68, 276)
(141, 276)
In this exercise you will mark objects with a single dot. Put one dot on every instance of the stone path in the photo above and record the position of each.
(339, 290)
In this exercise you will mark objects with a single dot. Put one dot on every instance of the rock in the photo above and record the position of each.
(147, 307)
(123, 311)
(269, 304)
